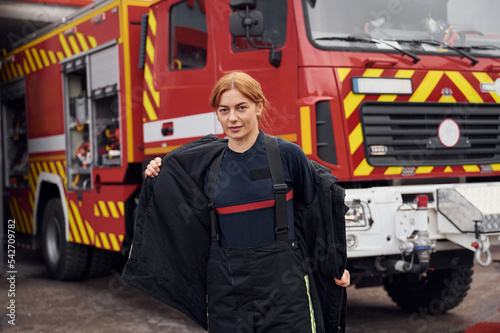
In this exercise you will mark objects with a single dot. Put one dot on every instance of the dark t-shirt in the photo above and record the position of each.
(244, 196)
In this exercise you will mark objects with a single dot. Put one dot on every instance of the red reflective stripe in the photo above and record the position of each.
(250, 206)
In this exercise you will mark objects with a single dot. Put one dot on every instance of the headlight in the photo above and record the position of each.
(358, 216)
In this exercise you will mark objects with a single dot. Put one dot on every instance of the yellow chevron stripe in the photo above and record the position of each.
(424, 169)
(485, 78)
(495, 167)
(355, 139)
(150, 50)
(104, 240)
(98, 242)
(53, 167)
(65, 46)
(149, 81)
(121, 207)
(104, 209)
(30, 60)
(36, 56)
(351, 102)
(114, 242)
(26, 67)
(45, 167)
(74, 44)
(448, 169)
(9, 74)
(342, 73)
(52, 57)
(393, 171)
(27, 223)
(465, 87)
(97, 212)
(83, 42)
(73, 226)
(373, 72)
(60, 55)
(152, 22)
(14, 215)
(427, 86)
(19, 216)
(32, 201)
(20, 69)
(92, 41)
(121, 237)
(4, 76)
(32, 183)
(45, 58)
(447, 99)
(471, 168)
(62, 172)
(148, 106)
(79, 223)
(33, 172)
(363, 169)
(113, 210)
(90, 232)
(13, 70)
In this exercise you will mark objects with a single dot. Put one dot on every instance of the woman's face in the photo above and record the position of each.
(238, 116)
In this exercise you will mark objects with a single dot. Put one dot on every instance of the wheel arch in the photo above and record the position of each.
(49, 186)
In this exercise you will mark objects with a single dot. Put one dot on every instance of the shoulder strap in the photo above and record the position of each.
(280, 187)
(212, 179)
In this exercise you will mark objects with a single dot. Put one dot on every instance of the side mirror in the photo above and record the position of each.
(248, 23)
(238, 23)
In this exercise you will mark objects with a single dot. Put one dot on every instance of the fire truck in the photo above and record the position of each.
(398, 98)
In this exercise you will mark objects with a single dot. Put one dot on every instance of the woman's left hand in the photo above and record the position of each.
(345, 281)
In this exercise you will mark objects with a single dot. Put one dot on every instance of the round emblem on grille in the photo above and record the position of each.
(449, 132)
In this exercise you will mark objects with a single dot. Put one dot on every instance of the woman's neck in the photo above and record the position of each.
(241, 146)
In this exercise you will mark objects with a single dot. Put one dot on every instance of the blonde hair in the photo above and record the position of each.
(242, 82)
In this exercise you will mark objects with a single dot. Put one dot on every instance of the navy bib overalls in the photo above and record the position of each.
(258, 289)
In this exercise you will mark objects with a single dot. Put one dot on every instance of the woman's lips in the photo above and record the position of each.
(234, 128)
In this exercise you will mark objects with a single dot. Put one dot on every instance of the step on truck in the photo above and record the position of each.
(398, 98)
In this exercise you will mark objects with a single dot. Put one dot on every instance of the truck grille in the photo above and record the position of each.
(406, 134)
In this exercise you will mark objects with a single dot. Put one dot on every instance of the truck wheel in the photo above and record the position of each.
(436, 293)
(64, 260)
(100, 262)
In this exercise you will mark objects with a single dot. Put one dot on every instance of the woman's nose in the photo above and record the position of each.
(232, 115)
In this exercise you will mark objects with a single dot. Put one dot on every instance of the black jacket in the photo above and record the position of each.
(169, 253)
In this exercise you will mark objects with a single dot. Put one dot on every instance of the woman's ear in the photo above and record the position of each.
(260, 109)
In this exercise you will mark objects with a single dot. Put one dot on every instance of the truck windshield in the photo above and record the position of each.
(457, 27)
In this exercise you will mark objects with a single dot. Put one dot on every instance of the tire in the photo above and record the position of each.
(64, 260)
(100, 263)
(436, 293)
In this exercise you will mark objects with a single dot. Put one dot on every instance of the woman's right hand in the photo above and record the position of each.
(153, 168)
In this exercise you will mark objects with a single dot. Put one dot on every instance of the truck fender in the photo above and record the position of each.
(45, 177)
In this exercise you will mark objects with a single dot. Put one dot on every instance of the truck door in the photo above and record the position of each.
(178, 74)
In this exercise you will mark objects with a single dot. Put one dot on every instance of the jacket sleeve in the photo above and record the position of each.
(172, 240)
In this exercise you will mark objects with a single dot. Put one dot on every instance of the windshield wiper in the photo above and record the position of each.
(372, 40)
(478, 47)
(434, 42)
